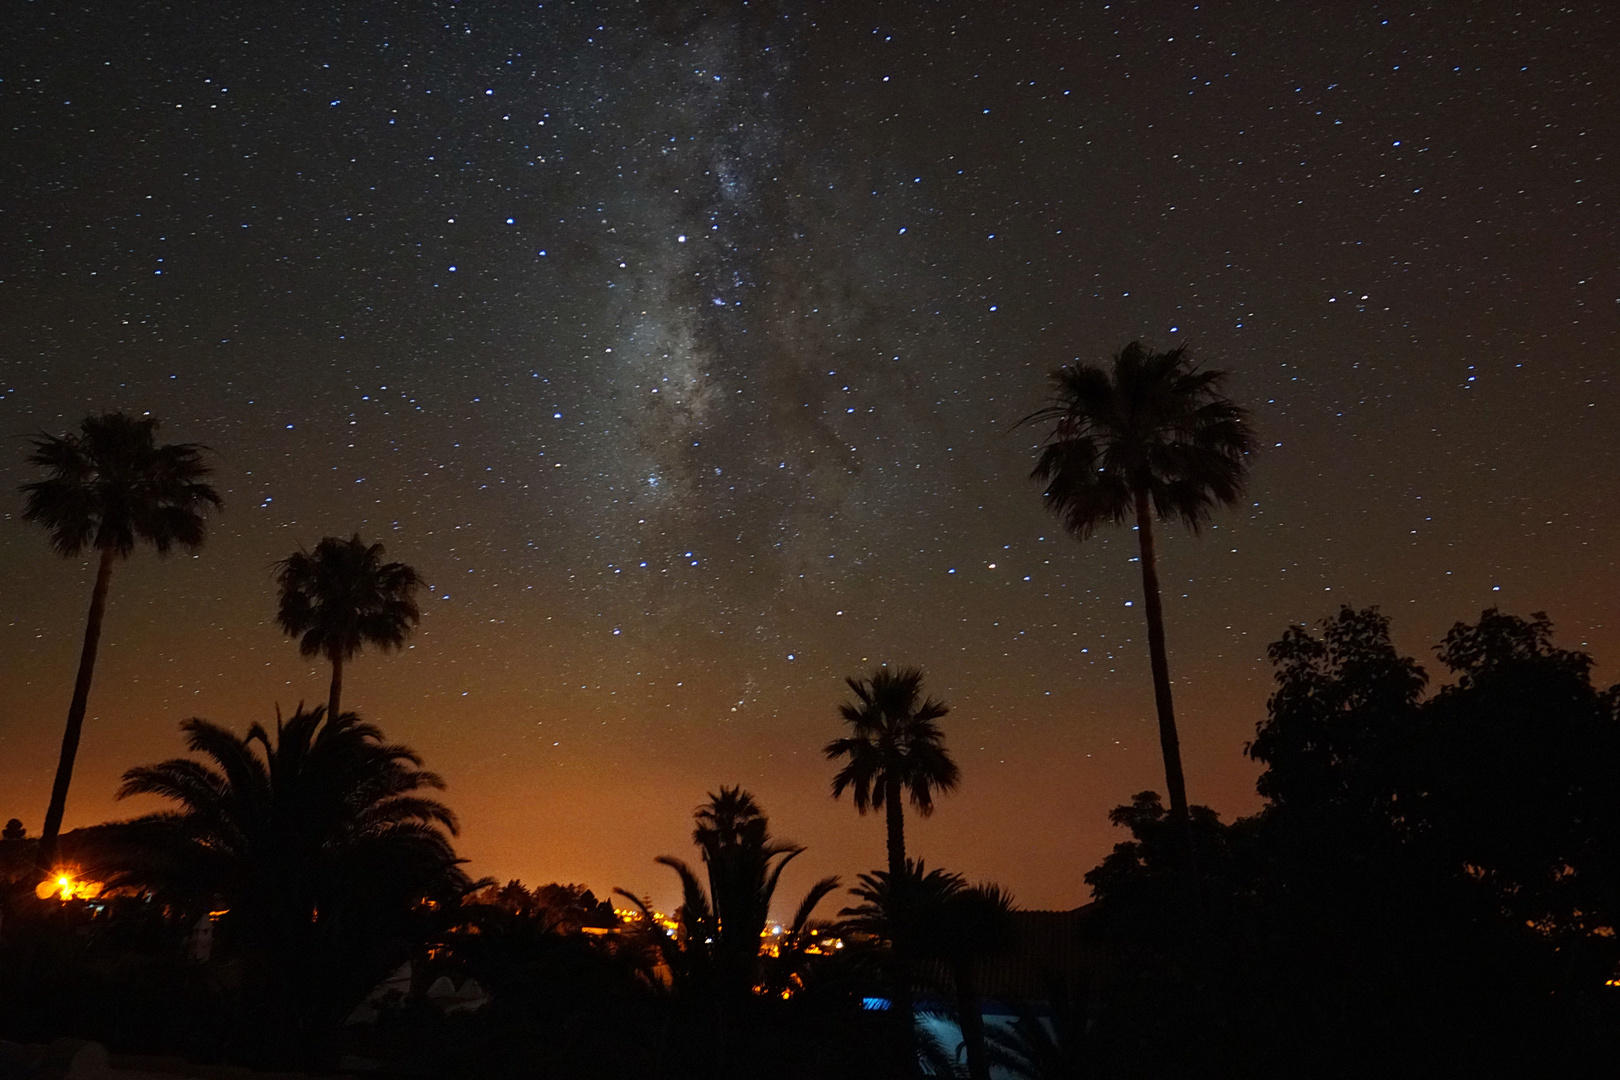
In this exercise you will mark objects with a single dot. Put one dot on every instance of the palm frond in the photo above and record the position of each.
(110, 486)
(341, 597)
(1155, 422)
(818, 892)
(893, 737)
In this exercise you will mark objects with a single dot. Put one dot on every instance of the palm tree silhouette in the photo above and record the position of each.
(720, 927)
(1050, 1047)
(110, 487)
(905, 912)
(1153, 437)
(977, 923)
(342, 597)
(318, 837)
(715, 955)
(281, 821)
(894, 748)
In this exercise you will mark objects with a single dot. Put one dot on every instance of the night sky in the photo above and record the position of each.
(678, 346)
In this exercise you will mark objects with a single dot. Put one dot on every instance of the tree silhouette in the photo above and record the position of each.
(977, 925)
(317, 837)
(1340, 727)
(715, 954)
(110, 488)
(897, 910)
(894, 749)
(1049, 1047)
(342, 597)
(1430, 887)
(1152, 438)
(936, 917)
(1522, 754)
(555, 908)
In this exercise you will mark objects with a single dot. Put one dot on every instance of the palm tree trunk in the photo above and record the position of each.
(75, 718)
(905, 1017)
(970, 1018)
(904, 1001)
(897, 830)
(1169, 742)
(336, 693)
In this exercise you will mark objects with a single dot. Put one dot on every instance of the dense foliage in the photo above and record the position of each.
(317, 843)
(1431, 888)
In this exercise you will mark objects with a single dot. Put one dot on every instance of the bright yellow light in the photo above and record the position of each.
(64, 886)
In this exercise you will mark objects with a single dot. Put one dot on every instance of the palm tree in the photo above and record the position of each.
(1153, 438)
(715, 954)
(934, 915)
(977, 924)
(720, 927)
(342, 597)
(895, 748)
(109, 488)
(288, 821)
(1050, 1047)
(905, 913)
(317, 837)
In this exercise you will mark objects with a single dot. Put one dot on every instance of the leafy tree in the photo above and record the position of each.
(14, 830)
(319, 840)
(1447, 856)
(1153, 438)
(1340, 729)
(1153, 894)
(1502, 778)
(1429, 887)
(1522, 755)
(110, 488)
(342, 597)
(562, 909)
(895, 749)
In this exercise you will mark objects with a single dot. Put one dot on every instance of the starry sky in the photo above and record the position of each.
(678, 346)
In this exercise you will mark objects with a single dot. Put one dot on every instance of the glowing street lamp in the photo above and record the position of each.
(63, 885)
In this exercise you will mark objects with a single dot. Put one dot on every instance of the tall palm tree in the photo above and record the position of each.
(1152, 438)
(320, 840)
(342, 597)
(109, 488)
(895, 748)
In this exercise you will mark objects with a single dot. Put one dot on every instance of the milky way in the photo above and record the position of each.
(679, 345)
